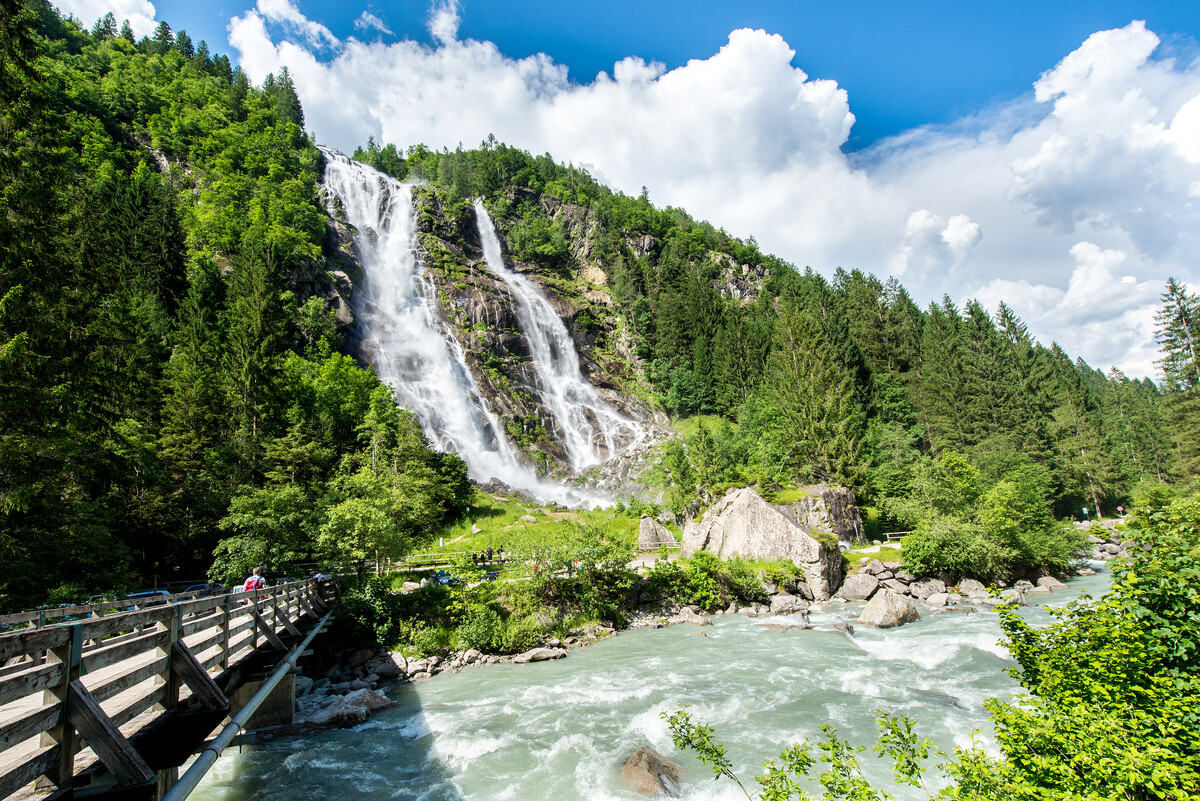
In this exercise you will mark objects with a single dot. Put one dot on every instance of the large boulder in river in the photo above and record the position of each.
(859, 587)
(924, 588)
(826, 508)
(887, 610)
(650, 773)
(652, 534)
(743, 524)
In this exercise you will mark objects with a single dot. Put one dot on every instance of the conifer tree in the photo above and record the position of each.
(815, 398)
(1178, 333)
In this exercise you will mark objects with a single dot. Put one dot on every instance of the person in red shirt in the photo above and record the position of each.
(254, 581)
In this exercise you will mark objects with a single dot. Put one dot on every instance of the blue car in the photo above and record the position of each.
(442, 578)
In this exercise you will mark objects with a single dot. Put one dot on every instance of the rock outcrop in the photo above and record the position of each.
(743, 524)
(826, 508)
(652, 535)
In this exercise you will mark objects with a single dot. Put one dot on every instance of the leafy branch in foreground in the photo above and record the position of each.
(844, 778)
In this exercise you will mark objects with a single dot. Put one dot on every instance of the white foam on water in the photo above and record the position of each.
(460, 751)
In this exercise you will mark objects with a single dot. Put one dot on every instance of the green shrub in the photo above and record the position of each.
(702, 582)
(521, 634)
(482, 628)
(956, 547)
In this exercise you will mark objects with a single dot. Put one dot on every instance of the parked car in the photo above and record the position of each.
(442, 578)
(148, 597)
(205, 590)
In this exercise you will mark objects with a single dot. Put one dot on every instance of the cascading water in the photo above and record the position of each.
(591, 430)
(404, 338)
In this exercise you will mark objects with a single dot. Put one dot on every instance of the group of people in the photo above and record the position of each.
(488, 556)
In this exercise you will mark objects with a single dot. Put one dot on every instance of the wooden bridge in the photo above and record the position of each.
(122, 699)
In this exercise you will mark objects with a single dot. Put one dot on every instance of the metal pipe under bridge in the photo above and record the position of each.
(111, 705)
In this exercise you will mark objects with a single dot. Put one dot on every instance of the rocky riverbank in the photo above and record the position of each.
(356, 687)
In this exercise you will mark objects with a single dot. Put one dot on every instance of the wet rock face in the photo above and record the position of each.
(650, 773)
(481, 312)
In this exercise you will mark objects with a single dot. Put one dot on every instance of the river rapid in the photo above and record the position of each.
(559, 731)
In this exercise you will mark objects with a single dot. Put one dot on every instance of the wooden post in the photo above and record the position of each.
(70, 655)
(170, 676)
(225, 632)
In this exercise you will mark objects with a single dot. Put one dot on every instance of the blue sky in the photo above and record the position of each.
(1044, 154)
(904, 64)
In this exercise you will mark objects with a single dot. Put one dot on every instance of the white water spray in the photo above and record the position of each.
(591, 430)
(404, 338)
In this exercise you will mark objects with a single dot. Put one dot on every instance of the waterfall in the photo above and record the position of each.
(405, 340)
(591, 430)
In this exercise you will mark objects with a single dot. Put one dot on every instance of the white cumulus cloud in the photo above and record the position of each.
(140, 13)
(369, 22)
(1104, 150)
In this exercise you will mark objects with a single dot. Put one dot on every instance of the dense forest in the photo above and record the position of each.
(173, 392)
(163, 389)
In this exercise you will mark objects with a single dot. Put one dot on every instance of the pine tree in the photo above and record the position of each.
(163, 38)
(105, 27)
(287, 102)
(941, 405)
(815, 397)
(1178, 333)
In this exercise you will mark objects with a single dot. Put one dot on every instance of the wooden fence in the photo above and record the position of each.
(74, 692)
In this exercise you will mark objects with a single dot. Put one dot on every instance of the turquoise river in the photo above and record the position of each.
(559, 730)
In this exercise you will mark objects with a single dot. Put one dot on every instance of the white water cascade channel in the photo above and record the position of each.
(405, 340)
(591, 430)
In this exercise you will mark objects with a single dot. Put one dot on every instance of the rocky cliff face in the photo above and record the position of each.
(480, 310)
(829, 509)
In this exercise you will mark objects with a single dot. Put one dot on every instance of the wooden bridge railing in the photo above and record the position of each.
(72, 687)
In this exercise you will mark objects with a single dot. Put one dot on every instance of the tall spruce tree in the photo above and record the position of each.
(1178, 332)
(816, 400)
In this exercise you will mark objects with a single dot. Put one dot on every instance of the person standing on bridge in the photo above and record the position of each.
(254, 581)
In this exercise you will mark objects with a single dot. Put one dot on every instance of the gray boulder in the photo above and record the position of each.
(1051, 583)
(388, 666)
(339, 713)
(368, 699)
(652, 535)
(972, 588)
(938, 599)
(540, 655)
(784, 604)
(743, 524)
(691, 616)
(895, 585)
(650, 773)
(800, 589)
(887, 610)
(874, 567)
(859, 587)
(926, 587)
